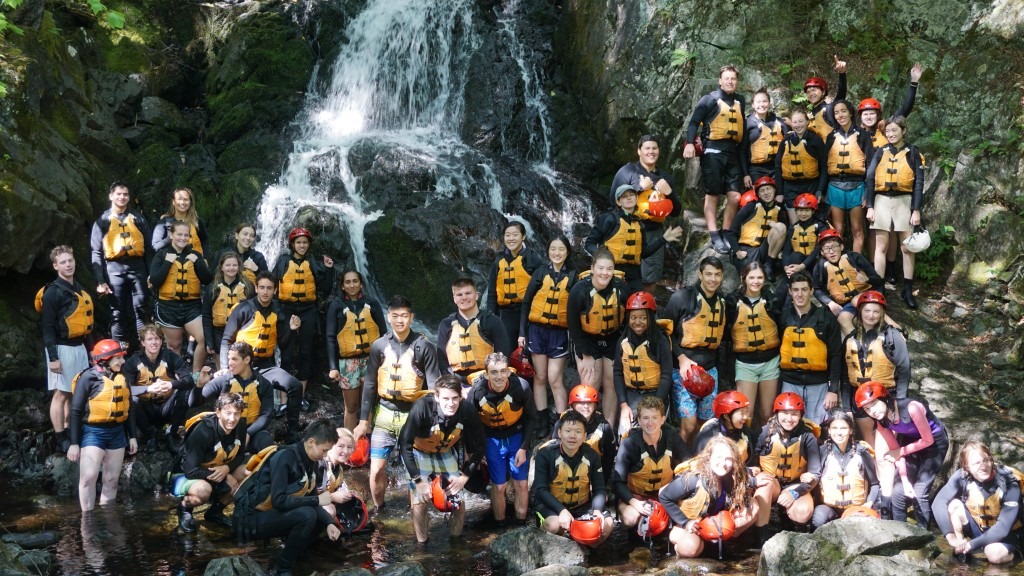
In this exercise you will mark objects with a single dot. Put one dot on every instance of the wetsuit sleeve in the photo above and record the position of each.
(680, 450)
(652, 241)
(530, 426)
(492, 286)
(182, 372)
(419, 417)
(52, 300)
(665, 359)
(148, 252)
(282, 467)
(99, 262)
(326, 279)
(908, 102)
(79, 400)
(617, 372)
(212, 389)
(369, 399)
(238, 317)
(920, 420)
(868, 465)
(762, 442)
(821, 154)
(678, 309)
(473, 439)
(704, 435)
(623, 464)
(202, 269)
(204, 239)
(195, 450)
(940, 506)
(160, 238)
(598, 492)
(159, 269)
(834, 344)
(895, 346)
(813, 455)
(209, 295)
(841, 88)
(531, 292)
(915, 162)
(266, 392)
(609, 448)
(604, 227)
(581, 344)
(377, 315)
(429, 363)
(752, 130)
(869, 179)
(815, 254)
(744, 214)
(744, 141)
(679, 489)
(1008, 513)
(819, 278)
(335, 321)
(284, 330)
(499, 337)
(861, 262)
(705, 106)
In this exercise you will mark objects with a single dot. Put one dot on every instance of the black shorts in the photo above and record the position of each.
(721, 172)
(175, 314)
(605, 346)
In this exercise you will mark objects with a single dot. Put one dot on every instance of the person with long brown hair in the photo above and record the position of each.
(229, 287)
(182, 209)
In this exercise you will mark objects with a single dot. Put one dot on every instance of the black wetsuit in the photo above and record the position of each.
(125, 275)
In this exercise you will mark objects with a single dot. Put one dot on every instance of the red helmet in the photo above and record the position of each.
(720, 527)
(698, 382)
(361, 455)
(829, 233)
(868, 392)
(585, 530)
(869, 104)
(655, 524)
(816, 82)
(521, 363)
(641, 301)
(442, 501)
(748, 197)
(297, 232)
(806, 200)
(659, 208)
(582, 393)
(106, 349)
(789, 401)
(352, 515)
(871, 297)
(860, 512)
(729, 402)
(764, 181)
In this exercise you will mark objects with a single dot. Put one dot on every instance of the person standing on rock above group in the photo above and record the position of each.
(544, 329)
(253, 261)
(979, 507)
(354, 322)
(719, 120)
(178, 274)
(848, 476)
(752, 320)
(911, 443)
(623, 233)
(161, 382)
(698, 318)
(765, 132)
(68, 319)
(802, 163)
(228, 289)
(756, 234)
(655, 202)
(819, 116)
(596, 309)
(811, 353)
(840, 278)
(402, 367)
(848, 152)
(895, 190)
(469, 335)
(302, 282)
(240, 377)
(102, 423)
(643, 360)
(509, 277)
(182, 209)
(120, 262)
(260, 323)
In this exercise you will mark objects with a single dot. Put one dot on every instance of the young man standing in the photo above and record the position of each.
(466, 337)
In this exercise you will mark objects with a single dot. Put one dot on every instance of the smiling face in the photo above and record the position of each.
(245, 238)
(650, 421)
(448, 401)
(182, 202)
(119, 198)
(340, 452)
(648, 153)
(754, 281)
(627, 201)
(869, 118)
(351, 285)
(465, 298)
(839, 431)
(800, 293)
(727, 81)
(894, 134)
(979, 465)
(587, 409)
(814, 94)
(513, 239)
(601, 273)
(151, 343)
(497, 374)
(571, 435)
(871, 315)
(788, 419)
(799, 122)
(180, 235)
(557, 252)
(400, 320)
(638, 322)
(228, 417)
(842, 115)
(721, 461)
(762, 103)
(238, 365)
(738, 418)
(300, 246)
(229, 269)
(710, 279)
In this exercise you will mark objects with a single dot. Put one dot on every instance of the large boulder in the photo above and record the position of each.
(234, 566)
(32, 540)
(558, 570)
(402, 569)
(849, 547)
(526, 549)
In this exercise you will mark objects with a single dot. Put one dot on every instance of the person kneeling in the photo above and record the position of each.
(569, 480)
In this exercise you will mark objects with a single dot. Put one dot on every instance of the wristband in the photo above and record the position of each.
(417, 480)
(794, 493)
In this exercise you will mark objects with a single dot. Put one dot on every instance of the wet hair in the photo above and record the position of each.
(728, 68)
(230, 399)
(265, 275)
(835, 415)
(218, 274)
(602, 253)
(178, 224)
(712, 261)
(399, 302)
(571, 415)
(740, 497)
(800, 111)
(801, 276)
(191, 216)
(647, 138)
(495, 358)
(58, 250)
(463, 282)
(969, 446)
(448, 382)
(321, 431)
(900, 121)
(565, 242)
(148, 329)
(514, 223)
(243, 349)
(650, 402)
(750, 267)
(118, 184)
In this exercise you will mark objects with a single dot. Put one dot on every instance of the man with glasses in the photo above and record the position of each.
(841, 277)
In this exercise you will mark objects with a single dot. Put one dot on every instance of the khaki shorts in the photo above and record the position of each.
(892, 213)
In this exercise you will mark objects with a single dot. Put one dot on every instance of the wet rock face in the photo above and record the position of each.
(526, 549)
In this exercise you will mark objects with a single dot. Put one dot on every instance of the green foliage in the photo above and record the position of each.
(938, 258)
(681, 57)
(943, 149)
(114, 18)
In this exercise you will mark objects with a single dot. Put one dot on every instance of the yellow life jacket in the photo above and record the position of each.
(261, 334)
(845, 158)
(652, 475)
(626, 244)
(594, 439)
(336, 476)
(193, 239)
(643, 204)
(754, 330)
(466, 347)
(639, 370)
(816, 122)
(110, 404)
(397, 378)
(78, 321)
(181, 283)
(798, 163)
(123, 239)
(551, 302)
(147, 377)
(844, 280)
(984, 507)
(438, 442)
(251, 395)
(297, 284)
(500, 415)
(764, 149)
(258, 483)
(801, 349)
(894, 173)
(605, 314)
(878, 139)
(846, 485)
(785, 460)
(727, 125)
(804, 239)
(875, 365)
(221, 454)
(707, 327)
(696, 506)
(512, 279)
(225, 300)
(358, 333)
(571, 487)
(756, 229)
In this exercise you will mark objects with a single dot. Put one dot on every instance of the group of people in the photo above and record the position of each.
(827, 384)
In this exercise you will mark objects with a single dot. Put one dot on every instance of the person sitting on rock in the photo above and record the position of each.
(240, 378)
(161, 382)
(646, 460)
(840, 277)
(599, 432)
(211, 462)
(756, 234)
(789, 458)
(569, 481)
(716, 482)
(979, 507)
(731, 420)
(643, 360)
(800, 250)
(848, 475)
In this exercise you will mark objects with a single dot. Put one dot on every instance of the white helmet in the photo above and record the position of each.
(919, 241)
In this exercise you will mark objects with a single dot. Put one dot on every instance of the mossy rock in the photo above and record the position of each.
(248, 106)
(266, 48)
(156, 166)
(235, 122)
(254, 150)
